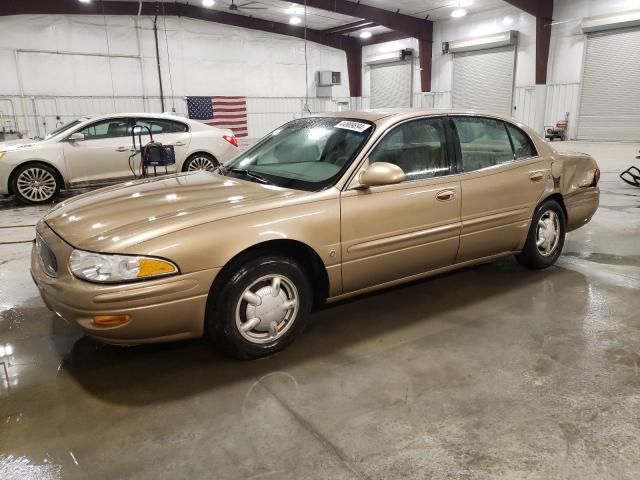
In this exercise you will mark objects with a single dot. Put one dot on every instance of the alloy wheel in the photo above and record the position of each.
(201, 163)
(36, 184)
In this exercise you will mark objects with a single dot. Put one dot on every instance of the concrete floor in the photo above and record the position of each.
(493, 372)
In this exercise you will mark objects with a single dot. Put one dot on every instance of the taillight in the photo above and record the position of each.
(231, 139)
(596, 177)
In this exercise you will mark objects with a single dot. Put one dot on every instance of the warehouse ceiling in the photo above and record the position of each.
(281, 11)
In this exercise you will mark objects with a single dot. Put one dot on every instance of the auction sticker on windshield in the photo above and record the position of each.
(355, 126)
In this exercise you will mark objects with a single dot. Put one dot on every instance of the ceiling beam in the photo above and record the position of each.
(543, 11)
(412, 26)
(350, 27)
(73, 7)
(537, 8)
(383, 38)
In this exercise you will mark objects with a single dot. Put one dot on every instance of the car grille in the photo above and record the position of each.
(46, 257)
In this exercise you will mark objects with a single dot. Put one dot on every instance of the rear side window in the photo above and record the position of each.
(484, 142)
(160, 125)
(522, 144)
(418, 147)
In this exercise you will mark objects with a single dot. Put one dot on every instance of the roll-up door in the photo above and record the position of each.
(483, 80)
(391, 85)
(610, 100)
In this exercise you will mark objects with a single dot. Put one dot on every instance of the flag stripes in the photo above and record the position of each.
(221, 111)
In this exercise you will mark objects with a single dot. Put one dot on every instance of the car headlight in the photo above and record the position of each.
(107, 268)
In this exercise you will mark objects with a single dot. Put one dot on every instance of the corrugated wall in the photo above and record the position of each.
(38, 115)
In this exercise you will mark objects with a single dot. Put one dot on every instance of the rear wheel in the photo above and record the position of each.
(35, 183)
(546, 237)
(201, 161)
(263, 306)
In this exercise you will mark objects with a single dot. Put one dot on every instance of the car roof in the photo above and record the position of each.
(375, 115)
(98, 116)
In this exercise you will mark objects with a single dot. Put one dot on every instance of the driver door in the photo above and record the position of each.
(102, 156)
(397, 231)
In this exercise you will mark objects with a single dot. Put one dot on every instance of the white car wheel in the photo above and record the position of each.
(36, 184)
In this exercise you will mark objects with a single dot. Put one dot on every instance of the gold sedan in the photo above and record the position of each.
(322, 208)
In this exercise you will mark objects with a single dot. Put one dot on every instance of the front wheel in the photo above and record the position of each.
(263, 306)
(35, 183)
(201, 161)
(546, 237)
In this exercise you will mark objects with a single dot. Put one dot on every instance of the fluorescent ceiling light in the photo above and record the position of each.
(294, 9)
(84, 1)
(458, 12)
(208, 3)
(365, 34)
(295, 20)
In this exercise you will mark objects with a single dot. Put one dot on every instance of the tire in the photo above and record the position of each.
(35, 183)
(200, 161)
(544, 244)
(247, 297)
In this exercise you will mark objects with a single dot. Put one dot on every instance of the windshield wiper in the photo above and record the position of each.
(247, 173)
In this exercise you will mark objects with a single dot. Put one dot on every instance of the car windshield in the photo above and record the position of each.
(305, 154)
(62, 128)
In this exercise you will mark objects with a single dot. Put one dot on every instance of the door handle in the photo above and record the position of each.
(445, 195)
(179, 144)
(536, 176)
(122, 149)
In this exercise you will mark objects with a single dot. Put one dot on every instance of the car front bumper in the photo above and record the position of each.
(5, 172)
(166, 309)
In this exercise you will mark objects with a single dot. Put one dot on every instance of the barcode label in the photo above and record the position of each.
(355, 126)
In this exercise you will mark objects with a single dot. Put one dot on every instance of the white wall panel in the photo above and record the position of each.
(524, 101)
(481, 24)
(560, 100)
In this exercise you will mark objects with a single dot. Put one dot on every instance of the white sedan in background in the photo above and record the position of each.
(98, 150)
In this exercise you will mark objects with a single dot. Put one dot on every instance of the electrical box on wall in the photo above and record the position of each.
(328, 78)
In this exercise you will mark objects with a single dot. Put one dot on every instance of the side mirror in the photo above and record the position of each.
(76, 137)
(381, 173)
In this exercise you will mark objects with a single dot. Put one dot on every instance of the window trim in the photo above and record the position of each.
(89, 125)
(448, 145)
(460, 166)
(531, 142)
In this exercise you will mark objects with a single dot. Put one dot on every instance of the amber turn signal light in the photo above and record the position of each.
(110, 320)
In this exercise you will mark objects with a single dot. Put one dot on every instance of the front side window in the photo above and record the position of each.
(484, 142)
(113, 128)
(305, 154)
(158, 126)
(522, 144)
(418, 147)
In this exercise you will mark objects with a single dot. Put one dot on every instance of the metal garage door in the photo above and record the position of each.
(483, 80)
(610, 101)
(391, 85)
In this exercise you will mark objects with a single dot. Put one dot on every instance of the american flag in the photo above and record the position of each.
(222, 112)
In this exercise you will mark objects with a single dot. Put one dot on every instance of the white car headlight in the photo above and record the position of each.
(107, 268)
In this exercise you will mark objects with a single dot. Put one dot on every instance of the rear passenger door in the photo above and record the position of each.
(167, 132)
(502, 180)
(397, 231)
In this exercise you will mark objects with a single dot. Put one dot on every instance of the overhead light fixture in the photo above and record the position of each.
(84, 1)
(365, 34)
(208, 3)
(294, 9)
(295, 20)
(508, 20)
(458, 12)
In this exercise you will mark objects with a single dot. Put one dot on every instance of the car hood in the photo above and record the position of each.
(115, 218)
(17, 144)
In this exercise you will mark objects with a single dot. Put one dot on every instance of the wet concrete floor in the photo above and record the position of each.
(492, 372)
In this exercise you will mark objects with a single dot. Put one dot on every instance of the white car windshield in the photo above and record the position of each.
(62, 128)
